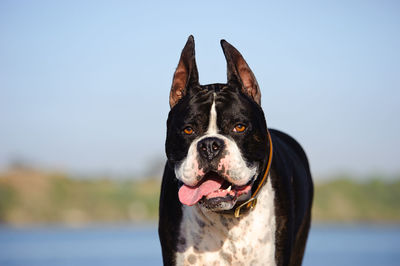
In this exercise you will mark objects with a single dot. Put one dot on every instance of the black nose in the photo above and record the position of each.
(209, 148)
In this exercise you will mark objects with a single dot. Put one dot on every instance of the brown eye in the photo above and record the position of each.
(239, 128)
(188, 131)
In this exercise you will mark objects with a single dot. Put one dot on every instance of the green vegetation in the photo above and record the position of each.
(346, 200)
(33, 197)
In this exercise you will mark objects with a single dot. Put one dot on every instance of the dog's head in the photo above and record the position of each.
(216, 133)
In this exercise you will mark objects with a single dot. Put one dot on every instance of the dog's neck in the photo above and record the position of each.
(207, 237)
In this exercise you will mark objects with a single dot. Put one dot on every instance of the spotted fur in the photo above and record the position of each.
(212, 238)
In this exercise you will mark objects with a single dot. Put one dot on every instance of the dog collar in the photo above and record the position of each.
(251, 203)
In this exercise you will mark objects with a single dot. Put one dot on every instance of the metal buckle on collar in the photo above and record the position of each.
(251, 203)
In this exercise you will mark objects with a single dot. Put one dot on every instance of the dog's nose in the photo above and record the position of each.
(209, 148)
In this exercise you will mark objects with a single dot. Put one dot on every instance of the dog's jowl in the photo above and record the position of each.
(233, 192)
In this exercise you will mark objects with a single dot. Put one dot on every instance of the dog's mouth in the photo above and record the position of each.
(213, 191)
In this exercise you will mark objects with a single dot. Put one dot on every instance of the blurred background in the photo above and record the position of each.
(84, 89)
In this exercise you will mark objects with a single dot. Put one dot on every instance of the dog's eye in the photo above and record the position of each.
(188, 130)
(239, 128)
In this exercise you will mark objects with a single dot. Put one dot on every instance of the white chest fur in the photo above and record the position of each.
(208, 238)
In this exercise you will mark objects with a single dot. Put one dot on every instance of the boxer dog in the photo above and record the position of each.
(233, 191)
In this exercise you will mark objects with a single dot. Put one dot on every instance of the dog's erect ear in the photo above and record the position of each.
(185, 75)
(239, 72)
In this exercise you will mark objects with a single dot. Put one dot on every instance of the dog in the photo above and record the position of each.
(233, 191)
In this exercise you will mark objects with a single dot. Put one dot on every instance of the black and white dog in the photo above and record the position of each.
(221, 159)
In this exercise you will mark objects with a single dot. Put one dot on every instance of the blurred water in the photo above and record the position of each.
(128, 245)
(332, 245)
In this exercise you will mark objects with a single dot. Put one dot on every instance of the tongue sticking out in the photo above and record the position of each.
(191, 195)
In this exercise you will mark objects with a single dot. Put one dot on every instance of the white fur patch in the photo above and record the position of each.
(212, 125)
(188, 170)
(210, 238)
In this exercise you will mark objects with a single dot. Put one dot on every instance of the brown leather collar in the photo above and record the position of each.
(251, 203)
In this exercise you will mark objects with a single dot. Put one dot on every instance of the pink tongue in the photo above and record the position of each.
(191, 195)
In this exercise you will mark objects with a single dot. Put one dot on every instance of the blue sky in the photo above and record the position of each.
(84, 85)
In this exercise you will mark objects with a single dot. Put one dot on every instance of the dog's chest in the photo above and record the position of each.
(216, 239)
